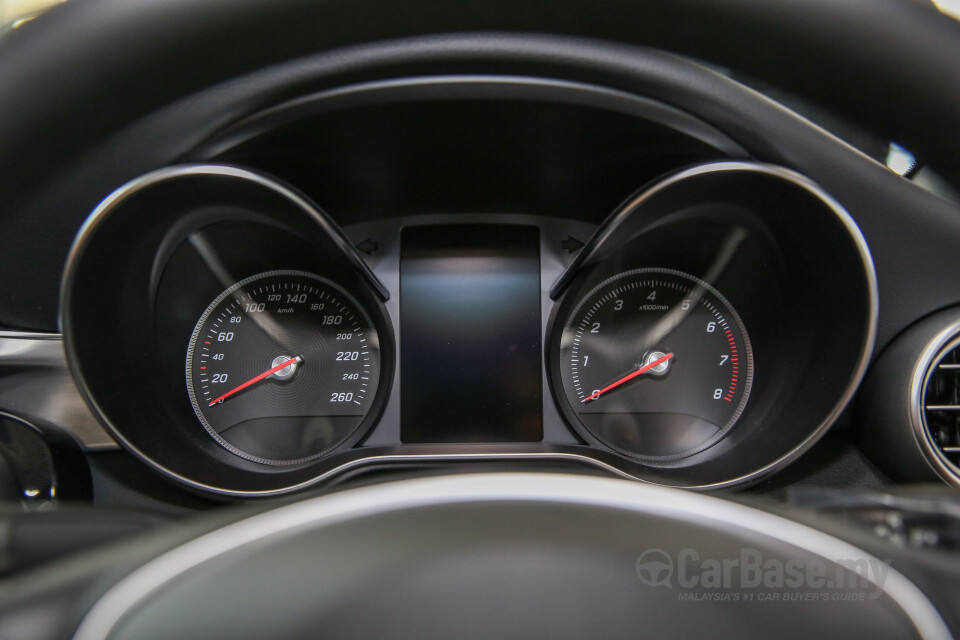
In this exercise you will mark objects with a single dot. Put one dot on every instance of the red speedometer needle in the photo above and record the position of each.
(260, 377)
(626, 378)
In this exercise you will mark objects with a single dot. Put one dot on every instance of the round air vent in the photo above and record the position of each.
(939, 409)
(909, 405)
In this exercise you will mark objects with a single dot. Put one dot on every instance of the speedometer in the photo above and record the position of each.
(655, 364)
(282, 367)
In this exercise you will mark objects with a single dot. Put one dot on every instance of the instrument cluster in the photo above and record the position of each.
(229, 333)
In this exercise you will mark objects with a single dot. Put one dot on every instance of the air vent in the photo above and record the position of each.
(941, 408)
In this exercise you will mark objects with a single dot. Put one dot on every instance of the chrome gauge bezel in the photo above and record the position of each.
(165, 211)
(778, 425)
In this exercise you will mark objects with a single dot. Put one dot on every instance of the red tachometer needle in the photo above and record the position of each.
(260, 377)
(640, 371)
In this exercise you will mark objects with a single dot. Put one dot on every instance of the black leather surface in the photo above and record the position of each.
(93, 65)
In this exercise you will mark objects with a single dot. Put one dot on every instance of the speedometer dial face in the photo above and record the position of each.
(655, 364)
(282, 367)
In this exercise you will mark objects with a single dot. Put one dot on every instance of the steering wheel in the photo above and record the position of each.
(98, 91)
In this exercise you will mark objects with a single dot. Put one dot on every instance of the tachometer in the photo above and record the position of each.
(655, 364)
(282, 367)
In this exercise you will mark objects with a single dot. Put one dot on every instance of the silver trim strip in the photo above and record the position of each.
(29, 335)
(558, 489)
(39, 388)
(945, 340)
(31, 350)
(412, 457)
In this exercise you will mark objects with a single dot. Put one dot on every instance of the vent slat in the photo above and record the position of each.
(942, 415)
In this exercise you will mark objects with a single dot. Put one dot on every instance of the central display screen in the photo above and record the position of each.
(470, 334)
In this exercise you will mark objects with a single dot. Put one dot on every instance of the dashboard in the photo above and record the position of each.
(480, 269)
(417, 256)
(279, 346)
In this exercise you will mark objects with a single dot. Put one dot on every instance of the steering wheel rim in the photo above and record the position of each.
(505, 519)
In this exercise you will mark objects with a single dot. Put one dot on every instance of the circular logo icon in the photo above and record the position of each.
(655, 568)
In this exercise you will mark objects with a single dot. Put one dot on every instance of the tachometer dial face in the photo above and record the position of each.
(655, 364)
(282, 367)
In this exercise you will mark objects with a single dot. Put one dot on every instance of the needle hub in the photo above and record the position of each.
(288, 371)
(660, 369)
